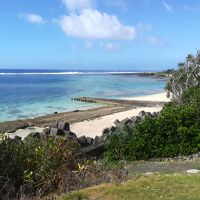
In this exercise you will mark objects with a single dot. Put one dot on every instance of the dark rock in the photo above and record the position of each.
(94, 150)
(112, 129)
(102, 139)
(148, 114)
(55, 113)
(70, 135)
(105, 131)
(97, 139)
(90, 140)
(62, 125)
(56, 132)
(142, 113)
(137, 119)
(126, 121)
(117, 122)
(83, 141)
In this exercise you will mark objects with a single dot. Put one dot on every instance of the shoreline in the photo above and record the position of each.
(160, 97)
(110, 107)
(95, 127)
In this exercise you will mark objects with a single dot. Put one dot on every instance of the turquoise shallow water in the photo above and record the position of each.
(25, 95)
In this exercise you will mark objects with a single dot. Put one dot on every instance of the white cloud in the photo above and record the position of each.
(155, 41)
(92, 24)
(110, 46)
(32, 18)
(167, 6)
(74, 5)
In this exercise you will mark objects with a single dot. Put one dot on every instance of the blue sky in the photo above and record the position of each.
(97, 34)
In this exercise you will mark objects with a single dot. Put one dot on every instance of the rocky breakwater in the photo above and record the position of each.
(92, 147)
(95, 146)
(89, 146)
(129, 122)
(84, 99)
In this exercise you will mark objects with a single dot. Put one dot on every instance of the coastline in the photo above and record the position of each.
(94, 127)
(155, 97)
(92, 121)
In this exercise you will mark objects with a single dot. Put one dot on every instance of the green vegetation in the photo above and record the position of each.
(36, 165)
(176, 131)
(157, 186)
(187, 76)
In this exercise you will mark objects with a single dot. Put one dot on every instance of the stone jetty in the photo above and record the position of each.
(84, 99)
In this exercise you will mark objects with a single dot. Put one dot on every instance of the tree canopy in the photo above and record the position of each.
(187, 75)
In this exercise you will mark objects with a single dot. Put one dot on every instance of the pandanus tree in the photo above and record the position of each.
(186, 76)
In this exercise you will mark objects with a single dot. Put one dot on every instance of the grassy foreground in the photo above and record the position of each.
(144, 187)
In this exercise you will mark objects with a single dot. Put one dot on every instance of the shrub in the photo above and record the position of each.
(175, 131)
(36, 165)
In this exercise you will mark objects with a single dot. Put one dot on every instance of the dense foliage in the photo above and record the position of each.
(186, 76)
(175, 131)
(35, 165)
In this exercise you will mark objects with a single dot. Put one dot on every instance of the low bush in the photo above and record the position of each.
(36, 165)
(176, 131)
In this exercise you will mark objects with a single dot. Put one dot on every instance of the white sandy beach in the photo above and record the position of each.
(155, 97)
(92, 128)
(95, 127)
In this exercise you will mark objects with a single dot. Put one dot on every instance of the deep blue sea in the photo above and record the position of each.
(30, 93)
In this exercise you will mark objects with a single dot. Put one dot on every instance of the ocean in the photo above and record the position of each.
(31, 93)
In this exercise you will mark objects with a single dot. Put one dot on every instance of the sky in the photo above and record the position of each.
(97, 34)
